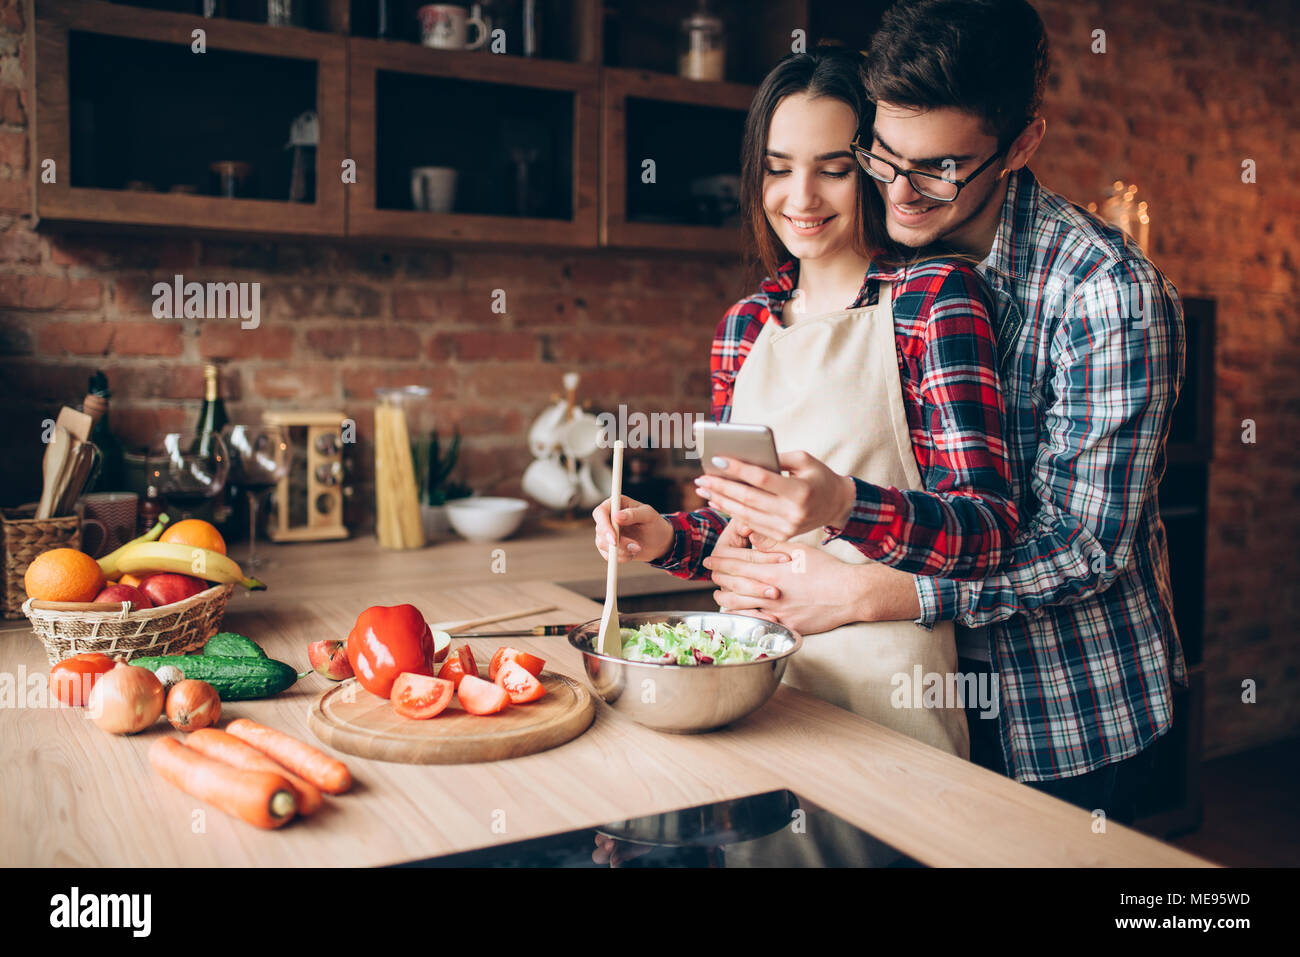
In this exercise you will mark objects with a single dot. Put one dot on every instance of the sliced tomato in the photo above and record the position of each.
(481, 697)
(520, 684)
(532, 663)
(72, 678)
(458, 665)
(419, 696)
(467, 662)
(452, 671)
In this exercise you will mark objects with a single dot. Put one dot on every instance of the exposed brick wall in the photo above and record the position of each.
(1184, 93)
(338, 321)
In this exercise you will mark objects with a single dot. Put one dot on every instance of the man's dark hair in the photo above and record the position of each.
(986, 57)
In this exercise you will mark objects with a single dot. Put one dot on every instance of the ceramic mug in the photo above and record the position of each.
(593, 483)
(433, 188)
(547, 481)
(107, 521)
(445, 26)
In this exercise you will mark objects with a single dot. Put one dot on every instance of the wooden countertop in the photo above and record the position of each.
(567, 557)
(79, 797)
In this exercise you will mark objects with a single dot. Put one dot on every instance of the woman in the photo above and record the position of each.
(880, 369)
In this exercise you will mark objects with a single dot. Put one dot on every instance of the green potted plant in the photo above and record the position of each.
(437, 487)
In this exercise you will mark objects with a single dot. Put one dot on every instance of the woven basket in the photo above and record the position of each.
(174, 629)
(25, 538)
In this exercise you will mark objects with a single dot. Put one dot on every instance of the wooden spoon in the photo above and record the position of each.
(55, 469)
(610, 640)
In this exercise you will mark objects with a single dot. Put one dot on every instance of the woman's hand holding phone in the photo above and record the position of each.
(810, 496)
(643, 534)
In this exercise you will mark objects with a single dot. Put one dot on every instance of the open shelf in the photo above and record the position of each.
(646, 36)
(123, 97)
(412, 106)
(477, 129)
(564, 30)
(328, 16)
(120, 89)
(692, 132)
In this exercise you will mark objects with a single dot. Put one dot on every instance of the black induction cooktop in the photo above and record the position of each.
(774, 829)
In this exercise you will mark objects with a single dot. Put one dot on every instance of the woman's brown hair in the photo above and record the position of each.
(835, 72)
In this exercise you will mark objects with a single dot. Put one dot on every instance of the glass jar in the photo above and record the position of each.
(403, 423)
(702, 50)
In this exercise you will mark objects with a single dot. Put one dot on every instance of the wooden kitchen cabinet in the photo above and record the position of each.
(670, 147)
(482, 115)
(122, 97)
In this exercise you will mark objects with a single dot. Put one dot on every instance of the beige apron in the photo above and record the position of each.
(829, 385)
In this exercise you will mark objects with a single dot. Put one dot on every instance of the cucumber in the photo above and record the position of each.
(235, 678)
(227, 644)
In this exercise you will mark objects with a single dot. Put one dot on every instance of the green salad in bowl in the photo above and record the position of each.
(658, 681)
(682, 644)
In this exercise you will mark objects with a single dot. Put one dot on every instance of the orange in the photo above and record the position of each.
(132, 580)
(196, 532)
(63, 574)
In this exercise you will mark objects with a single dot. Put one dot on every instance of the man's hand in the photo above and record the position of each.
(778, 506)
(798, 586)
(811, 592)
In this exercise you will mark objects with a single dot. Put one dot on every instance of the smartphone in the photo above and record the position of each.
(745, 443)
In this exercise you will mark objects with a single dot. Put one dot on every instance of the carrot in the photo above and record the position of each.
(260, 798)
(230, 750)
(331, 776)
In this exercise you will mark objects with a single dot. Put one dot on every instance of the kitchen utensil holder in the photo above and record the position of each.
(25, 537)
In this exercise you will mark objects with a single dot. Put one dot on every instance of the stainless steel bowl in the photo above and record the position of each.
(686, 699)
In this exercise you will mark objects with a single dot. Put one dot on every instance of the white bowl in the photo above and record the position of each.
(486, 518)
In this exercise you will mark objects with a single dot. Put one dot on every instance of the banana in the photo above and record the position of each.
(182, 559)
(108, 564)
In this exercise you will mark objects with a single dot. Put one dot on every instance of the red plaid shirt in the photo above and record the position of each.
(963, 524)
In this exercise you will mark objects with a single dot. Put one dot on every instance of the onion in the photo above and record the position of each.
(169, 675)
(126, 700)
(192, 705)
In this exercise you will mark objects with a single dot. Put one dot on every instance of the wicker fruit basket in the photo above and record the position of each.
(24, 538)
(68, 629)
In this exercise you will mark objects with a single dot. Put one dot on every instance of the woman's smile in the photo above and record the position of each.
(808, 225)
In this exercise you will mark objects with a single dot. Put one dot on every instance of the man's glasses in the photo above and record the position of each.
(942, 189)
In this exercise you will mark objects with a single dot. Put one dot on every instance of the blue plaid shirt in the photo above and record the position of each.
(1080, 623)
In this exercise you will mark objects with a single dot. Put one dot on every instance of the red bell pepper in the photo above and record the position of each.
(386, 641)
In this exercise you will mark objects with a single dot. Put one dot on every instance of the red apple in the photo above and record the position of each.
(167, 587)
(116, 594)
(330, 658)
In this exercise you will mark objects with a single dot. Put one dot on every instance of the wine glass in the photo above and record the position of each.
(261, 459)
(190, 468)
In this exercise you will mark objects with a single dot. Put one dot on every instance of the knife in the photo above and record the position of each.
(536, 630)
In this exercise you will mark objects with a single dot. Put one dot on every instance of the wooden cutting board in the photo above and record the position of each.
(351, 719)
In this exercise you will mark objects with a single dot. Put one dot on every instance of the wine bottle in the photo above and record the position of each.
(212, 414)
(111, 476)
(212, 419)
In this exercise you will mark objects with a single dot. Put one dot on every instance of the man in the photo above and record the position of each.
(1079, 629)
